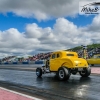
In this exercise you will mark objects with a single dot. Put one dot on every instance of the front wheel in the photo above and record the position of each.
(39, 72)
(63, 73)
(86, 72)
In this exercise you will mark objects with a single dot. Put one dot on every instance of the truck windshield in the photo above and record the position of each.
(95, 56)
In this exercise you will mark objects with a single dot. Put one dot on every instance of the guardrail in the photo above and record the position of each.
(28, 62)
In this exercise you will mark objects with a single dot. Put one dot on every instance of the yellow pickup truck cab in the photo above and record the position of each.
(65, 63)
(94, 60)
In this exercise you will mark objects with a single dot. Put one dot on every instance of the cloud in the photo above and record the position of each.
(40, 9)
(13, 42)
(95, 26)
(35, 39)
(92, 31)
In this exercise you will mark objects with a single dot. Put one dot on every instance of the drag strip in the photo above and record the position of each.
(48, 87)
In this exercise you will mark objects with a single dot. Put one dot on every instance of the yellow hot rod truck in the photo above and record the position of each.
(65, 63)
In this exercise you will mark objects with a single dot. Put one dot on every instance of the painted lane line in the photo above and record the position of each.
(20, 94)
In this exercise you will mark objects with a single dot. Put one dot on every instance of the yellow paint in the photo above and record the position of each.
(67, 59)
(94, 60)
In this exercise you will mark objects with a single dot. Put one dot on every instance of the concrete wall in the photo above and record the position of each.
(19, 63)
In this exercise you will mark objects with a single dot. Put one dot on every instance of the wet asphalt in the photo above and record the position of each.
(48, 86)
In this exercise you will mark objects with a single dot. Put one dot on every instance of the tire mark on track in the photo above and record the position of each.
(49, 95)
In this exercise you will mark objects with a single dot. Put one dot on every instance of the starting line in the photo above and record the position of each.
(6, 94)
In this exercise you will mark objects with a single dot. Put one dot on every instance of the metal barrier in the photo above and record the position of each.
(28, 62)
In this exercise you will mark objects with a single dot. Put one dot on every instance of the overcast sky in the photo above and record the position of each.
(28, 27)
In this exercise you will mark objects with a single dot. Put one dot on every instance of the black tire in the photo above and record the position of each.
(86, 72)
(74, 72)
(39, 72)
(63, 73)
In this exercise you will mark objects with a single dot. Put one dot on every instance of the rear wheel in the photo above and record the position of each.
(86, 72)
(39, 72)
(63, 73)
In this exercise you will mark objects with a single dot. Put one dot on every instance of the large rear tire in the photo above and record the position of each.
(86, 72)
(63, 73)
(39, 72)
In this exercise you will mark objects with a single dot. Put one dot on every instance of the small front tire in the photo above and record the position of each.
(74, 71)
(39, 72)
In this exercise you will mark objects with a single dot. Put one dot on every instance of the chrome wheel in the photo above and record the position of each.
(61, 73)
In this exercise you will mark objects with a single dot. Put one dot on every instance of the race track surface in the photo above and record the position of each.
(48, 87)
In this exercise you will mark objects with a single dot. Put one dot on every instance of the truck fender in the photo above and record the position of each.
(67, 64)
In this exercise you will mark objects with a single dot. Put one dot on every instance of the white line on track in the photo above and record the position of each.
(27, 96)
